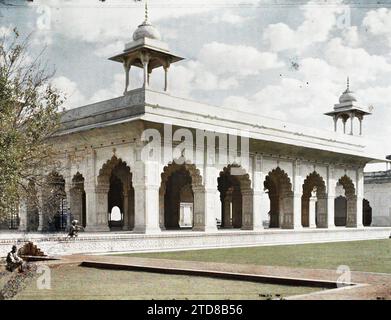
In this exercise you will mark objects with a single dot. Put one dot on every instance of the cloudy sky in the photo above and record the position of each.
(283, 59)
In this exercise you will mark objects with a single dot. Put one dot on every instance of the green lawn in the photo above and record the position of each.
(371, 255)
(74, 282)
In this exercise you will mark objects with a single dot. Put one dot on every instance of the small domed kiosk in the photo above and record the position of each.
(146, 51)
(347, 108)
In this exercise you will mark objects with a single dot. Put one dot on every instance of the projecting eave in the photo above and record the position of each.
(378, 160)
(155, 47)
(158, 107)
(342, 110)
(164, 108)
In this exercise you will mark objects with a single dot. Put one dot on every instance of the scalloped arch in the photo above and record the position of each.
(348, 185)
(168, 170)
(107, 168)
(279, 178)
(314, 179)
(244, 179)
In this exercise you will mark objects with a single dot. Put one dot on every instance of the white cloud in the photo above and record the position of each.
(74, 98)
(300, 101)
(318, 23)
(314, 69)
(351, 36)
(93, 21)
(356, 62)
(378, 22)
(223, 59)
(241, 103)
(219, 66)
(115, 90)
(191, 76)
(110, 49)
(376, 96)
(229, 17)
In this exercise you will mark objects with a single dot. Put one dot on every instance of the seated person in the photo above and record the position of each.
(74, 229)
(13, 260)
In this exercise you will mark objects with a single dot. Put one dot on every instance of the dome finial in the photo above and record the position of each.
(146, 11)
(347, 95)
(146, 29)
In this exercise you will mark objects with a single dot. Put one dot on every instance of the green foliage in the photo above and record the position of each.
(28, 117)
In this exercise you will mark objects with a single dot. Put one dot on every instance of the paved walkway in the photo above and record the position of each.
(370, 285)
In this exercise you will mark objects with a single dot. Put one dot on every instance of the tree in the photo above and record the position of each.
(29, 116)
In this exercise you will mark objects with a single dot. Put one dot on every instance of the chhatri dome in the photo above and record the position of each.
(348, 108)
(146, 30)
(147, 52)
(347, 95)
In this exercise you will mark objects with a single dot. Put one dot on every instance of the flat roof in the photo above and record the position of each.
(161, 107)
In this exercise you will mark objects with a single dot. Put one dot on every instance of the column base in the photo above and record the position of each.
(247, 228)
(354, 226)
(97, 228)
(146, 230)
(205, 229)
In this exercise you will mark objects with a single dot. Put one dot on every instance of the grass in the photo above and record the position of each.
(370, 256)
(74, 282)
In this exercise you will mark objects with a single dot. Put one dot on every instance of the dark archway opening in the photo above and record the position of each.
(280, 193)
(178, 200)
(78, 200)
(340, 205)
(115, 199)
(367, 213)
(345, 205)
(115, 178)
(314, 202)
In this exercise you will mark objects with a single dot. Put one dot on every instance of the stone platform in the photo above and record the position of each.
(115, 242)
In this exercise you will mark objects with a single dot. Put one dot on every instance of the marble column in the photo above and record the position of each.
(312, 211)
(360, 197)
(166, 79)
(211, 201)
(257, 197)
(331, 183)
(352, 212)
(247, 209)
(199, 219)
(146, 197)
(126, 209)
(97, 208)
(145, 62)
(297, 194)
(297, 211)
(127, 71)
(264, 207)
(321, 211)
(330, 212)
(227, 217)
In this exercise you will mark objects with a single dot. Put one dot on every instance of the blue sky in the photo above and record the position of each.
(282, 59)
